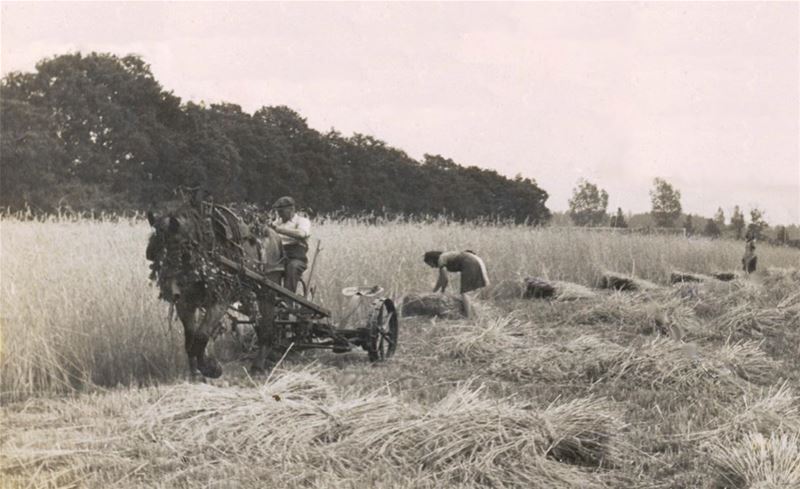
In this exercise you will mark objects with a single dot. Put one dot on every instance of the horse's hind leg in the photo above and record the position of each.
(186, 314)
(208, 365)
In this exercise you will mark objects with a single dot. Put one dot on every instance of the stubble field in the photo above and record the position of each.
(689, 385)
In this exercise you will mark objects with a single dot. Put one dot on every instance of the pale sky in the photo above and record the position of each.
(704, 95)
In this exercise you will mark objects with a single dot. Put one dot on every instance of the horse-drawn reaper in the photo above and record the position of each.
(205, 260)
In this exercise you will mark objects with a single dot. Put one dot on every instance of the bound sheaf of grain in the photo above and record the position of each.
(619, 281)
(681, 277)
(445, 306)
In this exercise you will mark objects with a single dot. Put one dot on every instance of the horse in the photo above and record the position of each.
(182, 248)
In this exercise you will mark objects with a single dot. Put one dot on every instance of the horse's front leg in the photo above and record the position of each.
(186, 314)
(266, 330)
(208, 365)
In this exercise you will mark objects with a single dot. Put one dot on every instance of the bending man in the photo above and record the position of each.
(468, 264)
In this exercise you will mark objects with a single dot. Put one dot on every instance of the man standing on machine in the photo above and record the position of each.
(295, 230)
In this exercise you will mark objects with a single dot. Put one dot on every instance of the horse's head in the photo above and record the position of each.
(175, 238)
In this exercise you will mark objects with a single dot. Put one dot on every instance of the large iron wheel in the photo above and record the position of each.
(382, 328)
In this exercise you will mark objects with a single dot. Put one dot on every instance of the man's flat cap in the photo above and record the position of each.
(284, 201)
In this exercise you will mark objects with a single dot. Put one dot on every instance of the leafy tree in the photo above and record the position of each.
(588, 204)
(666, 203)
(688, 225)
(618, 220)
(33, 156)
(719, 219)
(737, 222)
(209, 158)
(98, 131)
(110, 117)
(711, 229)
(757, 223)
(781, 236)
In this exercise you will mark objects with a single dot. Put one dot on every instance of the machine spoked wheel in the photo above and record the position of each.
(382, 328)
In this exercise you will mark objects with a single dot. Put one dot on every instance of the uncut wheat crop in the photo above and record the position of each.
(78, 308)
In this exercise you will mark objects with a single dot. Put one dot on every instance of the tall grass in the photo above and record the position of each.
(77, 306)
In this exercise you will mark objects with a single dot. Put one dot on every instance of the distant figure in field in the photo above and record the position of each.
(467, 263)
(750, 260)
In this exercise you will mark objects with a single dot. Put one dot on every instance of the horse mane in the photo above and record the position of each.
(211, 230)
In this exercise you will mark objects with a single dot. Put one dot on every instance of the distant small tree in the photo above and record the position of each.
(757, 223)
(588, 204)
(666, 203)
(719, 219)
(618, 220)
(712, 229)
(737, 222)
(780, 235)
(688, 225)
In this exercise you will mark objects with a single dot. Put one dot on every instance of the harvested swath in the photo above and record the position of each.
(765, 411)
(283, 419)
(790, 306)
(617, 281)
(498, 442)
(777, 409)
(779, 283)
(504, 289)
(667, 364)
(569, 291)
(481, 340)
(749, 320)
(465, 438)
(713, 298)
(758, 461)
(746, 309)
(445, 306)
(662, 362)
(537, 288)
(615, 309)
(587, 432)
(747, 360)
(680, 277)
(669, 317)
(69, 442)
(584, 358)
(782, 277)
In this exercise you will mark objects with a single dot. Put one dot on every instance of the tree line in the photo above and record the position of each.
(98, 132)
(588, 206)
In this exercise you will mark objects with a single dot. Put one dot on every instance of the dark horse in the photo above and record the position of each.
(182, 250)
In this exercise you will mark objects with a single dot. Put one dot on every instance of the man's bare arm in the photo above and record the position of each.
(292, 233)
(442, 282)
